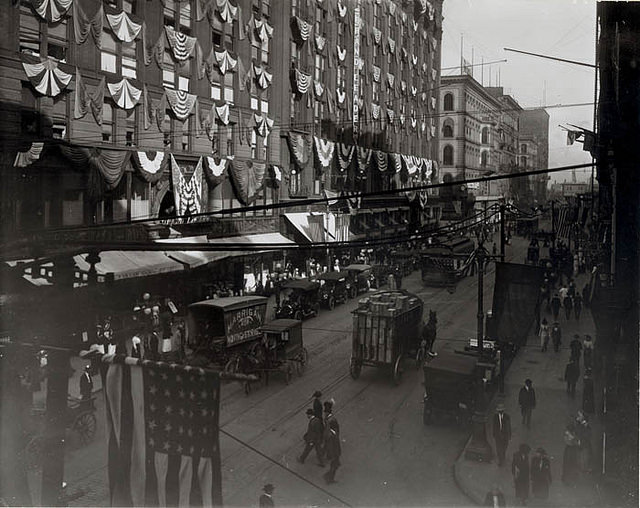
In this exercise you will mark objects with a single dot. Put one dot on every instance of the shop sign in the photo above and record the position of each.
(244, 324)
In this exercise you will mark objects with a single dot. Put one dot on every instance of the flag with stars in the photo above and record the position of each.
(162, 424)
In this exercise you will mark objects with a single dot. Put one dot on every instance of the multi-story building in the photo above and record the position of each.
(535, 122)
(128, 109)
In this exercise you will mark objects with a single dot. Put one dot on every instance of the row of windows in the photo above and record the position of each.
(448, 156)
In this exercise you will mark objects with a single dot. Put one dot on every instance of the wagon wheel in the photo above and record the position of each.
(85, 426)
(301, 364)
(288, 373)
(298, 315)
(354, 368)
(397, 370)
(331, 303)
(33, 453)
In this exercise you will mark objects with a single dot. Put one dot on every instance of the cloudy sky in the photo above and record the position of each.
(560, 28)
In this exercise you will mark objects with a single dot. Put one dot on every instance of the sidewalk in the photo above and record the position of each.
(554, 410)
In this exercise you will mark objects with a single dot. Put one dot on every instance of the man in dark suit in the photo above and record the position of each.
(86, 385)
(313, 438)
(317, 404)
(527, 401)
(266, 499)
(501, 432)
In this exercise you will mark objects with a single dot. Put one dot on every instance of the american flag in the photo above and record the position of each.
(162, 423)
(563, 222)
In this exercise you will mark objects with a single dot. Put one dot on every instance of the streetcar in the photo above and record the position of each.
(443, 264)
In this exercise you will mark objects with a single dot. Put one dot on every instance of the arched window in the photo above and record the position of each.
(523, 148)
(447, 156)
(447, 129)
(485, 135)
(448, 102)
(484, 159)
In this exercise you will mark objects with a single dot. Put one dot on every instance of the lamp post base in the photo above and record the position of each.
(479, 448)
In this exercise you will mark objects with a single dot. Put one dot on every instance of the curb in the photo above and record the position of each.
(459, 481)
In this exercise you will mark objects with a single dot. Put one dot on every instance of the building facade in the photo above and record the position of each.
(120, 110)
(535, 122)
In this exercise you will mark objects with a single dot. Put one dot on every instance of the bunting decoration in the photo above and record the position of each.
(425, 67)
(376, 71)
(414, 24)
(109, 164)
(396, 160)
(340, 95)
(391, 79)
(263, 29)
(247, 178)
(324, 151)
(300, 29)
(225, 61)
(160, 107)
(377, 35)
(96, 101)
(276, 176)
(342, 53)
(414, 91)
(182, 45)
(215, 172)
(264, 124)
(391, 115)
(81, 99)
(392, 45)
(342, 10)
(181, 103)
(24, 159)
(82, 25)
(46, 77)
(434, 43)
(263, 77)
(123, 27)
(412, 163)
(124, 94)
(302, 81)
(300, 148)
(403, 86)
(223, 113)
(187, 194)
(154, 52)
(381, 160)
(433, 103)
(148, 113)
(226, 10)
(51, 10)
(318, 88)
(345, 155)
(363, 157)
(434, 74)
(414, 59)
(150, 165)
(375, 111)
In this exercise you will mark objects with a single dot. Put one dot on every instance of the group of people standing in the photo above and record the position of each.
(323, 436)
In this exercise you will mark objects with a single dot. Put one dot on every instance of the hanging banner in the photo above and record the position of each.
(187, 193)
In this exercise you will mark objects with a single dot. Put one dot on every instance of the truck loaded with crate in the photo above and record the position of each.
(387, 325)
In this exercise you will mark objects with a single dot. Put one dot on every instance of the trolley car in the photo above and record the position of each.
(443, 263)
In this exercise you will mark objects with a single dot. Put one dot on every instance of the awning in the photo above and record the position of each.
(193, 258)
(259, 238)
(130, 264)
(310, 226)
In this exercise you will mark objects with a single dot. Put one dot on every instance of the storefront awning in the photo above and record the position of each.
(193, 258)
(310, 226)
(257, 239)
(131, 264)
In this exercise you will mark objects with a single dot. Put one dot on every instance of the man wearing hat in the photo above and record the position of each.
(520, 471)
(266, 499)
(501, 432)
(540, 474)
(313, 438)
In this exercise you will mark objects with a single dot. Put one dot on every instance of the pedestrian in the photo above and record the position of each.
(332, 451)
(571, 457)
(576, 348)
(520, 472)
(495, 498)
(588, 396)
(567, 303)
(313, 438)
(544, 335)
(577, 306)
(329, 418)
(571, 290)
(587, 348)
(555, 305)
(583, 431)
(317, 404)
(86, 385)
(501, 432)
(571, 375)
(556, 335)
(563, 292)
(540, 474)
(391, 281)
(527, 401)
(266, 498)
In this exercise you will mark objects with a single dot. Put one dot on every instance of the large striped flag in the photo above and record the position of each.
(162, 423)
(563, 222)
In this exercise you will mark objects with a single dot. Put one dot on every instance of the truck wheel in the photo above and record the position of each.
(331, 303)
(354, 368)
(397, 370)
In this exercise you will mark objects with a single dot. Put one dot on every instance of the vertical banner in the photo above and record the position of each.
(356, 70)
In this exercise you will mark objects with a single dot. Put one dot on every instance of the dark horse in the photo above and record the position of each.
(429, 330)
